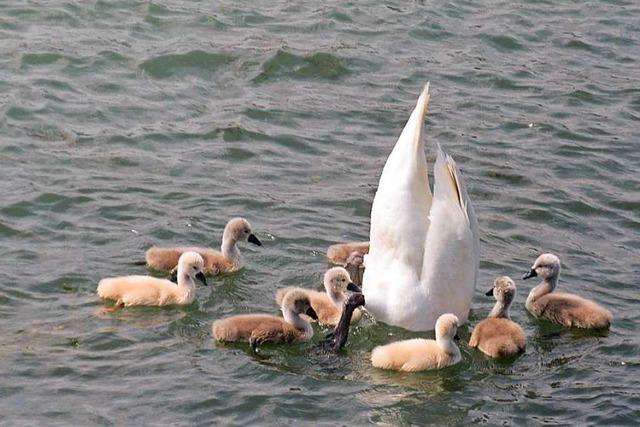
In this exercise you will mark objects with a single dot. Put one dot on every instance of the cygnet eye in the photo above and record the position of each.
(246, 230)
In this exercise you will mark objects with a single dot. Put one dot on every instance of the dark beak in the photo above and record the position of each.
(253, 239)
(490, 292)
(312, 313)
(353, 287)
(528, 274)
(200, 276)
(456, 337)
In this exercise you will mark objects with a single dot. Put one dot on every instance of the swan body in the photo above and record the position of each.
(147, 290)
(424, 250)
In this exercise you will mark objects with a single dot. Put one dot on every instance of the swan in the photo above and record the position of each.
(420, 354)
(569, 310)
(328, 305)
(261, 328)
(498, 335)
(227, 260)
(424, 250)
(146, 290)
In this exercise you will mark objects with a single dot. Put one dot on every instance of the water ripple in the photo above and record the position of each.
(130, 124)
(285, 65)
(197, 62)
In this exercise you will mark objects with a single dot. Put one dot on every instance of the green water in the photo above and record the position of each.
(125, 124)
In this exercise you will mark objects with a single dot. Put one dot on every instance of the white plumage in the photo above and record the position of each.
(424, 250)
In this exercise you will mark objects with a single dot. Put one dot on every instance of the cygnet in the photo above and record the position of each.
(328, 305)
(421, 354)
(566, 309)
(261, 328)
(338, 253)
(498, 335)
(227, 260)
(147, 290)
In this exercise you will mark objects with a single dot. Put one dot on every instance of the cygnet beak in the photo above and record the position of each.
(490, 292)
(200, 276)
(312, 313)
(353, 287)
(253, 239)
(528, 274)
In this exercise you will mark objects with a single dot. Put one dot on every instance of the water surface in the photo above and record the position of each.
(126, 124)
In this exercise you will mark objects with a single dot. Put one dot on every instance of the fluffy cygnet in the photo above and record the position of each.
(147, 290)
(338, 253)
(421, 354)
(498, 335)
(328, 305)
(261, 328)
(355, 267)
(566, 309)
(228, 260)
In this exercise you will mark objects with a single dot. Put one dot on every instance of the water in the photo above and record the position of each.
(126, 124)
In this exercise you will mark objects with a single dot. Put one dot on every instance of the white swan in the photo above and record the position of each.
(424, 253)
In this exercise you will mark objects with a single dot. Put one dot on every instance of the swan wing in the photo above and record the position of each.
(401, 204)
(451, 248)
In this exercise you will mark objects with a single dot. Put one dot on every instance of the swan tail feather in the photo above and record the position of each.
(419, 114)
(452, 184)
(402, 195)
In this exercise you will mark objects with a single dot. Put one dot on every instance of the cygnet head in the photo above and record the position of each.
(191, 264)
(547, 266)
(356, 258)
(504, 290)
(337, 281)
(297, 301)
(447, 326)
(239, 230)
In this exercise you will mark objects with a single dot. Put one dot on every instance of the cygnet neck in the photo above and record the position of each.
(447, 345)
(184, 278)
(298, 322)
(229, 248)
(546, 286)
(186, 291)
(500, 310)
(337, 298)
